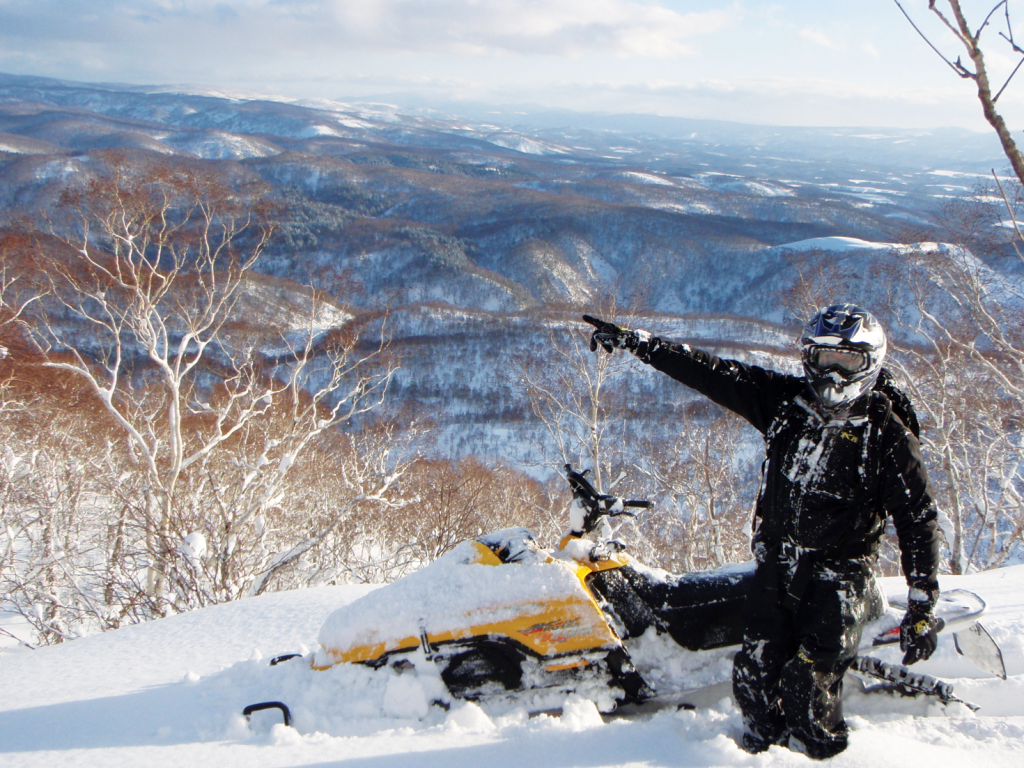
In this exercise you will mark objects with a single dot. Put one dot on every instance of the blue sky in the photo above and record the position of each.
(793, 62)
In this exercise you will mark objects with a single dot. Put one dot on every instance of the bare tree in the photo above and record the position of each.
(979, 471)
(953, 18)
(56, 568)
(362, 474)
(150, 272)
(459, 500)
(704, 486)
(573, 393)
(968, 374)
(50, 560)
(73, 556)
(947, 294)
(20, 288)
(963, 365)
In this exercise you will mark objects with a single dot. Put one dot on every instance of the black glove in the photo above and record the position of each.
(918, 632)
(610, 336)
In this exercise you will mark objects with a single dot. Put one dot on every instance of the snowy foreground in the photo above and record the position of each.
(170, 693)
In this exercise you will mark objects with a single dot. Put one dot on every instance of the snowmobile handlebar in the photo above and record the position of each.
(599, 505)
(638, 503)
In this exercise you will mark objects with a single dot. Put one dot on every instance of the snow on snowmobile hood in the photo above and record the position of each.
(467, 587)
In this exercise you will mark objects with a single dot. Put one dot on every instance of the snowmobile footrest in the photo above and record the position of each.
(247, 712)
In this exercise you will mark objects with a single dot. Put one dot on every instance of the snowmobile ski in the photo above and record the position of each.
(900, 679)
(285, 712)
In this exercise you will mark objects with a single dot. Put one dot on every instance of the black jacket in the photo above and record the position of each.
(828, 480)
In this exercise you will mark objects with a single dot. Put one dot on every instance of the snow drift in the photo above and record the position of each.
(170, 693)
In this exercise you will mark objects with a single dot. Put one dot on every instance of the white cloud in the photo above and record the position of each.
(816, 36)
(559, 27)
(588, 55)
(633, 28)
(770, 100)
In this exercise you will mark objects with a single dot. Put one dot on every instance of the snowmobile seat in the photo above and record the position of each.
(700, 610)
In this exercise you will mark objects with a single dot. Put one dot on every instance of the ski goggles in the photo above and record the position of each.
(840, 359)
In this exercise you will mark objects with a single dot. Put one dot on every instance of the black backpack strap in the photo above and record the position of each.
(900, 403)
(880, 411)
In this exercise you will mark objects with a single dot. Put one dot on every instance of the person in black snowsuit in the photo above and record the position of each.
(838, 459)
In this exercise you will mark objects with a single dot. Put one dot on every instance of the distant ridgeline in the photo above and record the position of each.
(469, 231)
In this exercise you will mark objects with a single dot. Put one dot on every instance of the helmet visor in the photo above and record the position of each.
(840, 359)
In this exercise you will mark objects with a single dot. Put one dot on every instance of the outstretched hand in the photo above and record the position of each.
(609, 336)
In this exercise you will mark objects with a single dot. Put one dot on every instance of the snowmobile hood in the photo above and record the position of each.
(539, 601)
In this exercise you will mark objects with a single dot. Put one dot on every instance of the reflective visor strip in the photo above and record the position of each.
(838, 358)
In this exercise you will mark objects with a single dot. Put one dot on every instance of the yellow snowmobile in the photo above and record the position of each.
(501, 619)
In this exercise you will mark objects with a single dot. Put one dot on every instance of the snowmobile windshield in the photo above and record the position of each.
(840, 359)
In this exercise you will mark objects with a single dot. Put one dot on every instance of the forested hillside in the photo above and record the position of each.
(250, 345)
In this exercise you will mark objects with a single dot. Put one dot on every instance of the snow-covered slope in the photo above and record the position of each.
(169, 693)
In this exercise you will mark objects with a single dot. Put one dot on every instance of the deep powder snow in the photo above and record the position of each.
(170, 693)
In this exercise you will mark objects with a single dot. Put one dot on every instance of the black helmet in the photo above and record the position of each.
(843, 349)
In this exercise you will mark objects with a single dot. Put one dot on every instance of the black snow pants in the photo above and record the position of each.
(788, 675)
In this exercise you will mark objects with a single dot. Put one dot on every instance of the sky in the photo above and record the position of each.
(787, 62)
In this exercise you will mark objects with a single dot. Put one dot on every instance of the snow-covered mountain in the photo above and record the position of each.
(508, 212)
(468, 227)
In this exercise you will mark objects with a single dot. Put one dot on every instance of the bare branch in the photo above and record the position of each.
(1008, 79)
(1002, 3)
(1013, 217)
(972, 43)
(957, 67)
(961, 30)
